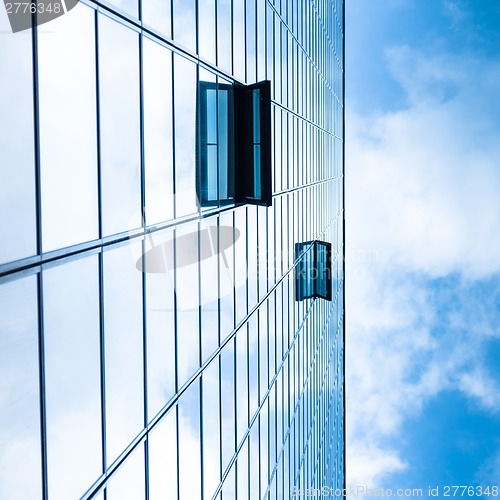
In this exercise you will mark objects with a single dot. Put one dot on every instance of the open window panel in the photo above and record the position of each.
(215, 144)
(233, 144)
(313, 273)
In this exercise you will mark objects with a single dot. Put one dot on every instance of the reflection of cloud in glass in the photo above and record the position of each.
(17, 183)
(66, 62)
(20, 468)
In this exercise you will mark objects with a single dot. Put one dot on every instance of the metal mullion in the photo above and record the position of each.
(202, 473)
(39, 246)
(102, 345)
(219, 355)
(144, 257)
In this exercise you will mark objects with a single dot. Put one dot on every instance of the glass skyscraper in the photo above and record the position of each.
(171, 311)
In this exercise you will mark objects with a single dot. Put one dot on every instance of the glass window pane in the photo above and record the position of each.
(156, 13)
(224, 42)
(120, 131)
(20, 467)
(187, 295)
(68, 130)
(211, 429)
(239, 38)
(17, 170)
(163, 459)
(185, 23)
(72, 376)
(123, 347)
(129, 480)
(185, 121)
(158, 132)
(160, 321)
(206, 29)
(189, 444)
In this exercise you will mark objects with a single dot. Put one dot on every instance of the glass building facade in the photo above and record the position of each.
(152, 347)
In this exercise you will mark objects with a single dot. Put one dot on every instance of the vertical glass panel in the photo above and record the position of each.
(250, 39)
(256, 115)
(227, 404)
(206, 29)
(157, 67)
(129, 480)
(189, 444)
(72, 377)
(209, 288)
(185, 23)
(240, 265)
(68, 130)
(226, 274)
(160, 320)
(187, 300)
(223, 134)
(211, 429)
(17, 171)
(120, 130)
(156, 13)
(123, 347)
(261, 39)
(241, 384)
(224, 35)
(20, 467)
(185, 126)
(163, 459)
(239, 39)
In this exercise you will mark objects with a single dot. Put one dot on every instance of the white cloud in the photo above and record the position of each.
(421, 204)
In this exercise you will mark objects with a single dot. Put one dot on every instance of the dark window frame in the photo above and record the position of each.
(313, 278)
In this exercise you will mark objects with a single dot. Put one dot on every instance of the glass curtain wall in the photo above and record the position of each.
(151, 348)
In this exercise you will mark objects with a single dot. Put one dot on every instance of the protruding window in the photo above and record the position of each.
(234, 144)
(313, 273)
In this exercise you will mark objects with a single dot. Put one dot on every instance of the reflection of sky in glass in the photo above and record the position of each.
(120, 132)
(72, 359)
(17, 180)
(20, 470)
(68, 130)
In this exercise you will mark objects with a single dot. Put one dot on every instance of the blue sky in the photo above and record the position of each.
(423, 242)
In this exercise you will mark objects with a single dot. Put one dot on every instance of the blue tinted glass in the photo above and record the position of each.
(190, 444)
(185, 23)
(160, 320)
(120, 130)
(206, 29)
(211, 428)
(185, 127)
(129, 480)
(257, 173)
(20, 453)
(223, 134)
(17, 169)
(68, 130)
(72, 377)
(162, 464)
(256, 115)
(156, 13)
(123, 347)
(158, 153)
